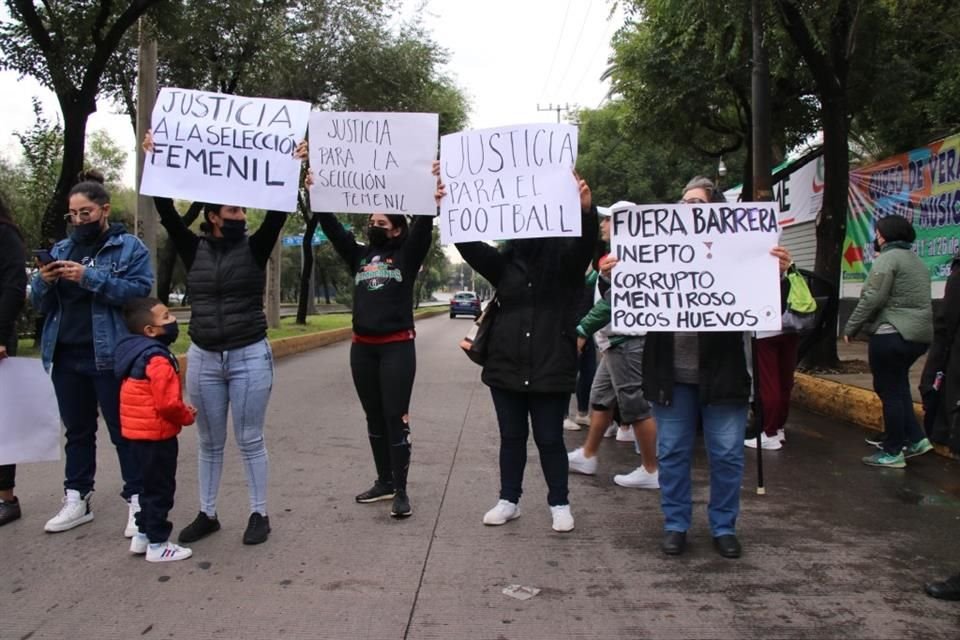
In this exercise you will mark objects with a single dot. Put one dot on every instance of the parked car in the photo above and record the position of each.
(465, 303)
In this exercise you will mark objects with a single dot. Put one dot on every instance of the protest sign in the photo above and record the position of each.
(509, 182)
(29, 422)
(225, 149)
(373, 162)
(702, 267)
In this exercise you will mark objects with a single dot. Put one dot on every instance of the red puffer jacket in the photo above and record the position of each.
(151, 405)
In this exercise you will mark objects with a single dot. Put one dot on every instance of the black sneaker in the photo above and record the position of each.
(258, 528)
(376, 493)
(202, 526)
(9, 511)
(401, 506)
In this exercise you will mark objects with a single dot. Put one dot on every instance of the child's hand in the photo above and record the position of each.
(192, 409)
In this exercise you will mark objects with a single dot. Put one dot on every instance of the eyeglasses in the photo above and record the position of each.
(694, 201)
(81, 215)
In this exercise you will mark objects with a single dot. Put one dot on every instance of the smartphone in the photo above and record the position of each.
(43, 256)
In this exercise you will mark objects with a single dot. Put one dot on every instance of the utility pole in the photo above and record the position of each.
(145, 220)
(760, 90)
(558, 108)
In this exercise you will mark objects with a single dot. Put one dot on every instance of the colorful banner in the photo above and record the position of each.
(799, 193)
(922, 185)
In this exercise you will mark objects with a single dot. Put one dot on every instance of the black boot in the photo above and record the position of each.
(9, 511)
(948, 589)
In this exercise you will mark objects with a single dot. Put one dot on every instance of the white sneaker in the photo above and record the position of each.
(167, 552)
(625, 434)
(502, 513)
(579, 463)
(562, 518)
(139, 544)
(74, 512)
(583, 419)
(132, 508)
(782, 434)
(570, 425)
(771, 443)
(611, 430)
(639, 478)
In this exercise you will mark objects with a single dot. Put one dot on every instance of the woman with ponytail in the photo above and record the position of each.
(81, 294)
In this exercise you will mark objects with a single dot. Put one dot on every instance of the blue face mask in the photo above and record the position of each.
(171, 332)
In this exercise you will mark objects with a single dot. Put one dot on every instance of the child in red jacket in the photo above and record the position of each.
(152, 413)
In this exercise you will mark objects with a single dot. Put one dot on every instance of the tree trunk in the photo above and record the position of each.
(76, 111)
(167, 256)
(306, 268)
(325, 281)
(832, 225)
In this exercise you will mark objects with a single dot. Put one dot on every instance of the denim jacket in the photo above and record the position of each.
(119, 271)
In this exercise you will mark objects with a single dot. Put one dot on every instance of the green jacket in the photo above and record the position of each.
(897, 292)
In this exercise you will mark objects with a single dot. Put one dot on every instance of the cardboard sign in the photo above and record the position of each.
(373, 162)
(509, 182)
(698, 267)
(225, 149)
(29, 422)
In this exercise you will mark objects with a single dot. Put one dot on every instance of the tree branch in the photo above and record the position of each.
(106, 47)
(792, 19)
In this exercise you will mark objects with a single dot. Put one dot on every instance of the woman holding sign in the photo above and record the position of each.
(531, 363)
(13, 288)
(383, 359)
(700, 378)
(229, 364)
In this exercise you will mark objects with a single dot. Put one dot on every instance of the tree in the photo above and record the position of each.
(67, 46)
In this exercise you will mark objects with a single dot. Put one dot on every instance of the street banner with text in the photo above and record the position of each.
(509, 182)
(702, 267)
(225, 149)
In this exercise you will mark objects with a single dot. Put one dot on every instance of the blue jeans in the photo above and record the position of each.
(80, 389)
(516, 411)
(240, 379)
(890, 360)
(723, 429)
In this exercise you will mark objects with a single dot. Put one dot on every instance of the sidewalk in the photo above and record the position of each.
(857, 350)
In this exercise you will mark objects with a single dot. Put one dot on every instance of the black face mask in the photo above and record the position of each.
(170, 333)
(233, 230)
(86, 233)
(876, 245)
(377, 236)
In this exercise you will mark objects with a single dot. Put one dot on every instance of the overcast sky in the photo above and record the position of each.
(510, 56)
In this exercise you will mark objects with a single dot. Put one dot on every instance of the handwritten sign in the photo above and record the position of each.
(29, 422)
(225, 149)
(703, 267)
(509, 182)
(373, 162)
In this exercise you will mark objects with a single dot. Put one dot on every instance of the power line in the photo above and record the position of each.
(573, 53)
(556, 50)
(603, 45)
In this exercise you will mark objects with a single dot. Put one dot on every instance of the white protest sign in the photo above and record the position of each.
(695, 267)
(225, 149)
(373, 162)
(509, 182)
(29, 421)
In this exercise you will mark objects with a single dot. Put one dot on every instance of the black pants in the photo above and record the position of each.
(890, 360)
(546, 412)
(8, 472)
(383, 376)
(158, 463)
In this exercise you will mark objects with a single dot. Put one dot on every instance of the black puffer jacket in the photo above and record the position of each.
(943, 408)
(533, 341)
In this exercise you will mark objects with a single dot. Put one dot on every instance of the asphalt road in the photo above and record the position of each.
(834, 550)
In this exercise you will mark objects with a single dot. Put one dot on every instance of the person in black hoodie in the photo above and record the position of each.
(531, 362)
(383, 359)
(229, 364)
(13, 289)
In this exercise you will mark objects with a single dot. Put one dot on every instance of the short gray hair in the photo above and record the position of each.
(700, 182)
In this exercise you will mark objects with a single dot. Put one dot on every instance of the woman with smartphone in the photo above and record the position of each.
(13, 289)
(94, 271)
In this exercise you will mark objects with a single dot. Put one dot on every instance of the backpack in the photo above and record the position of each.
(801, 313)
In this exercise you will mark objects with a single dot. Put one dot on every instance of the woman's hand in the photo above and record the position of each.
(302, 152)
(586, 197)
(783, 255)
(148, 145)
(50, 273)
(607, 263)
(581, 343)
(72, 271)
(308, 179)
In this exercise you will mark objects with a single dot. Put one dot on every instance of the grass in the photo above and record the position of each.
(288, 328)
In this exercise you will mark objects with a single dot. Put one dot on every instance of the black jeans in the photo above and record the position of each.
(383, 376)
(546, 412)
(158, 462)
(890, 360)
(586, 370)
(8, 472)
(80, 389)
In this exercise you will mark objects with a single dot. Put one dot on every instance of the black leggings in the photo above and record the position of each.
(383, 376)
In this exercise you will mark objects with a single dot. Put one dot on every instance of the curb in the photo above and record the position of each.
(284, 347)
(848, 403)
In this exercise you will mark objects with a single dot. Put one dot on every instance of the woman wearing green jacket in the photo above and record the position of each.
(895, 310)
